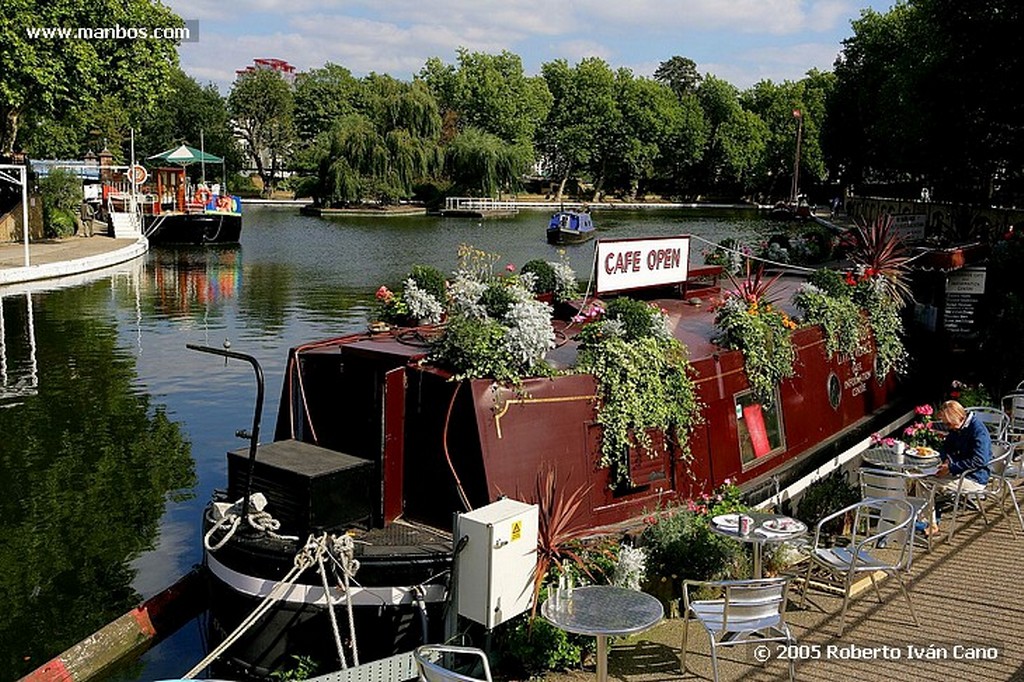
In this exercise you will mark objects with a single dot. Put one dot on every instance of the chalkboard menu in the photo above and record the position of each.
(964, 290)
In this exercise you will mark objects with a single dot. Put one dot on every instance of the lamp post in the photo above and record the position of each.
(795, 189)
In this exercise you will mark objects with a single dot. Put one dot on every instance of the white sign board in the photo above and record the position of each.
(966, 281)
(624, 264)
(909, 227)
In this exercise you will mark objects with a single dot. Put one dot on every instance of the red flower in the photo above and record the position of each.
(384, 294)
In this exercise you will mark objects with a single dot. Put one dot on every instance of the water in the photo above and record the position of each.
(112, 434)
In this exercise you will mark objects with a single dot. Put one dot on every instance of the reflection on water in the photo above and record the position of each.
(191, 280)
(95, 512)
(88, 466)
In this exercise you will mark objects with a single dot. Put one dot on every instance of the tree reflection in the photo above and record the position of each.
(87, 467)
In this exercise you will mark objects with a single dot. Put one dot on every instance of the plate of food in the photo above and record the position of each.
(784, 525)
(727, 521)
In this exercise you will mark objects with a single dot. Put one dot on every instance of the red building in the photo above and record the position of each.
(286, 70)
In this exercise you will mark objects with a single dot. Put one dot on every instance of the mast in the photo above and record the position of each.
(795, 189)
(202, 156)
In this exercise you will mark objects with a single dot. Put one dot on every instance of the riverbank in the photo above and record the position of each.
(53, 258)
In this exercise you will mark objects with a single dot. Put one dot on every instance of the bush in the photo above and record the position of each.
(825, 496)
(534, 646)
(544, 273)
(638, 319)
(62, 198)
(429, 279)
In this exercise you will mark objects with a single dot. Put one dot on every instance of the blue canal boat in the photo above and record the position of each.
(570, 227)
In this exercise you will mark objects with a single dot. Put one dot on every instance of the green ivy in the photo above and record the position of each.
(846, 329)
(762, 333)
(886, 326)
(644, 384)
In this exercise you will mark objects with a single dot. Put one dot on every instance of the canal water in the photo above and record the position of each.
(113, 434)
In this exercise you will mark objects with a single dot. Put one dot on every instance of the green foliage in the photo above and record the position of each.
(845, 325)
(62, 197)
(430, 279)
(544, 273)
(747, 321)
(681, 545)
(883, 313)
(644, 384)
(970, 395)
(305, 667)
(483, 164)
(825, 496)
(262, 108)
(533, 646)
(190, 113)
(638, 319)
(55, 80)
(497, 300)
(831, 282)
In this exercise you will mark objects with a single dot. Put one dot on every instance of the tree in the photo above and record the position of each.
(191, 114)
(483, 164)
(679, 74)
(322, 96)
(384, 149)
(573, 137)
(55, 79)
(262, 106)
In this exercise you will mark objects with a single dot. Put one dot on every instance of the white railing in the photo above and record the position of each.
(479, 204)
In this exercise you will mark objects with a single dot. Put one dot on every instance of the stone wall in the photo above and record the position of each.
(10, 223)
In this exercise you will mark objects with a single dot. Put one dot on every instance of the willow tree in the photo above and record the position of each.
(385, 149)
(482, 164)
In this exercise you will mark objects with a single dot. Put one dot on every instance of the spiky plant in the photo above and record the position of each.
(754, 288)
(879, 250)
(558, 526)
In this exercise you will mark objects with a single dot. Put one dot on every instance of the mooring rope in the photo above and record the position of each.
(303, 560)
(321, 547)
(232, 515)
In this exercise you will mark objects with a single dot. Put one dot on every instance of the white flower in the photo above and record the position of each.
(565, 281)
(530, 334)
(631, 568)
(465, 295)
(422, 305)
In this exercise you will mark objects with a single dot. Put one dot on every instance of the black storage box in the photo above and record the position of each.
(307, 486)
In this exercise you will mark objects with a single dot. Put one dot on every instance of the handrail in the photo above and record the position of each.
(254, 435)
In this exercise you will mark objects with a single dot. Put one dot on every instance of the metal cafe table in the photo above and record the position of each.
(763, 529)
(603, 611)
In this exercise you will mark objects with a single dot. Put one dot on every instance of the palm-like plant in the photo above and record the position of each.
(879, 250)
(558, 526)
(754, 288)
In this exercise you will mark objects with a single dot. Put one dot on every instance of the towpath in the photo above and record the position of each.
(968, 601)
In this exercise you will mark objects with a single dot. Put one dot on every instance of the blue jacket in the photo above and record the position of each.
(969, 447)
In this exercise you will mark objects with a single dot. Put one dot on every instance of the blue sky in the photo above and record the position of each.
(741, 41)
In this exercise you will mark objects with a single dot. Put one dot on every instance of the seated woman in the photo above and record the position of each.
(967, 447)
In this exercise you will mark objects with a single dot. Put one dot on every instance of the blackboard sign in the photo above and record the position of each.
(964, 290)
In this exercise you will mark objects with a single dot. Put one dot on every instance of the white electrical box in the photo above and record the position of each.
(495, 568)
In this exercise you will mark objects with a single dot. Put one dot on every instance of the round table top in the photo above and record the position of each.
(759, 532)
(604, 610)
(889, 459)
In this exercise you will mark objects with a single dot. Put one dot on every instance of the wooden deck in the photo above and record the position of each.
(968, 599)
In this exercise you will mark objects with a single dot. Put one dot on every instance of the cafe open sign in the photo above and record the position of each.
(624, 264)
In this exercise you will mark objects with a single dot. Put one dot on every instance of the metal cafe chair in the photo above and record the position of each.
(1013, 478)
(876, 483)
(880, 521)
(745, 612)
(1002, 451)
(994, 419)
(1013, 407)
(432, 661)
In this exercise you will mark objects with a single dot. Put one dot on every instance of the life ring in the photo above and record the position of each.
(224, 202)
(201, 196)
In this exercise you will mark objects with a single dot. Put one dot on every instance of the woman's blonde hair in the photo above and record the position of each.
(952, 412)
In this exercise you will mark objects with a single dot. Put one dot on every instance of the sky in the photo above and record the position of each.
(740, 41)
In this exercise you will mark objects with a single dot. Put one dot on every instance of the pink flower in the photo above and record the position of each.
(384, 294)
(510, 268)
(925, 410)
(909, 431)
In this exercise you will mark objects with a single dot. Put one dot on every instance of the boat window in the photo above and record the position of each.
(835, 391)
(759, 428)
